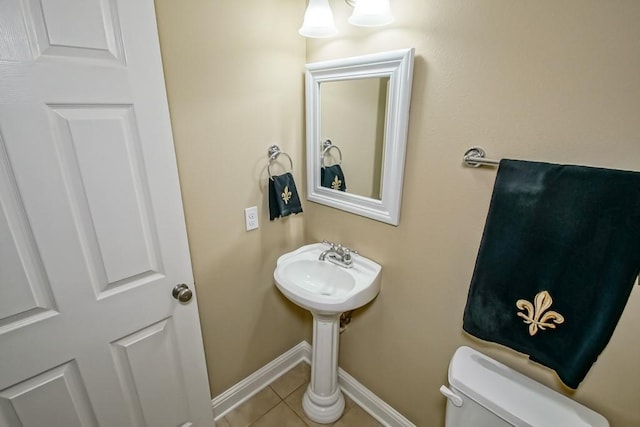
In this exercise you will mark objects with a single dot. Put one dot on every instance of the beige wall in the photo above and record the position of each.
(543, 80)
(234, 75)
(553, 80)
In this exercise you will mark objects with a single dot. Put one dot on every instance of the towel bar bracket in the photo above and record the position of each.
(474, 157)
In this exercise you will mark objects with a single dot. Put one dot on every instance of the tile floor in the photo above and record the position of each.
(280, 405)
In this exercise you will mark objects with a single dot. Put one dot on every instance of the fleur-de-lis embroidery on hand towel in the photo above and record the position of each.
(536, 317)
(286, 195)
(336, 183)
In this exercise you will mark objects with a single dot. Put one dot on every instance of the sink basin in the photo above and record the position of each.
(325, 288)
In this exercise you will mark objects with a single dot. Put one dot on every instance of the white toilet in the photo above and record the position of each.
(486, 393)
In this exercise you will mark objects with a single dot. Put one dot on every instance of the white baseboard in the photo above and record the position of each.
(376, 407)
(245, 389)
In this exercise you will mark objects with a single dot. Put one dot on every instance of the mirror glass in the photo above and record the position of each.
(357, 119)
(360, 139)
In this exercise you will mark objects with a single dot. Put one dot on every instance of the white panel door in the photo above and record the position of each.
(92, 233)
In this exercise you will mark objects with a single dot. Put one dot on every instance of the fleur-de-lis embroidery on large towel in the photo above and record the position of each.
(286, 195)
(536, 317)
(336, 183)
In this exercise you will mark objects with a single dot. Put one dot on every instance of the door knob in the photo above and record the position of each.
(182, 293)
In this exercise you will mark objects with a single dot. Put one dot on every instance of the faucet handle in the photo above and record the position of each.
(347, 257)
(331, 244)
(351, 251)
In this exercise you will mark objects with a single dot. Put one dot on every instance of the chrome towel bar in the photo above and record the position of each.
(475, 157)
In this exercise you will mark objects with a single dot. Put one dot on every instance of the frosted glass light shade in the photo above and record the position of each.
(371, 13)
(318, 20)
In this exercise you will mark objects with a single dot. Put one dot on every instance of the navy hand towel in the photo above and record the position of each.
(333, 177)
(557, 262)
(283, 196)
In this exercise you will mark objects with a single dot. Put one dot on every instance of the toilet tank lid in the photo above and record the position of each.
(514, 397)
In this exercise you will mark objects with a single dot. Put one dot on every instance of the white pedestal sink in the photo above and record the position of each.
(327, 290)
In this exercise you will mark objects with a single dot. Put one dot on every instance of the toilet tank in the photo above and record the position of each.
(485, 393)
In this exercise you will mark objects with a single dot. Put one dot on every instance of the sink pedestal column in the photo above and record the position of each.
(323, 401)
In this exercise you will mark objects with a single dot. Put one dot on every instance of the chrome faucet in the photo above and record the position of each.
(337, 254)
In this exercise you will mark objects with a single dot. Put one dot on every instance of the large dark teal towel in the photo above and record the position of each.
(557, 262)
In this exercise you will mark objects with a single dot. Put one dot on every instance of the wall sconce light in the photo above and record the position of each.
(318, 18)
(370, 13)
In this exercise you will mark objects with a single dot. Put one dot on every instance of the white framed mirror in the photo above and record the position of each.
(357, 113)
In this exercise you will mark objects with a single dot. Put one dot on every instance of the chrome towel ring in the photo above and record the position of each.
(326, 146)
(274, 152)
